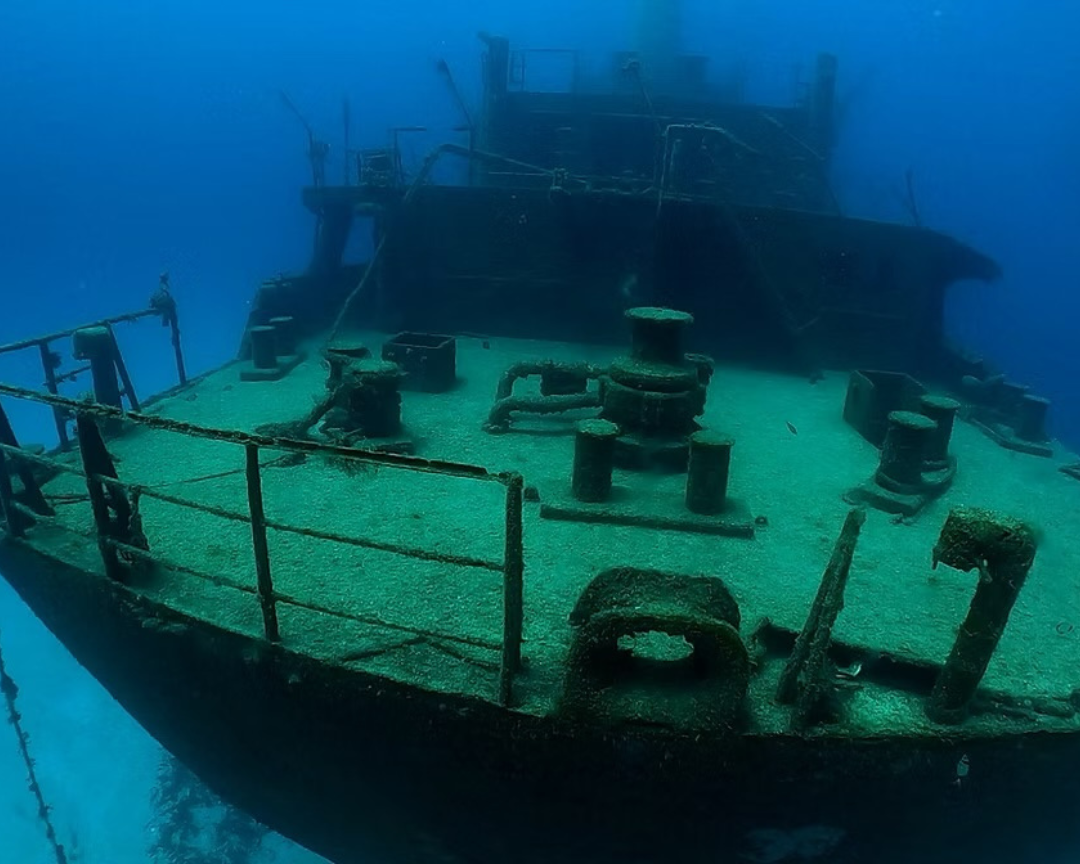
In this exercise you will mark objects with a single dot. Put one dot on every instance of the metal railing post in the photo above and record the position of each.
(513, 588)
(258, 542)
(7, 502)
(96, 463)
(51, 385)
(121, 370)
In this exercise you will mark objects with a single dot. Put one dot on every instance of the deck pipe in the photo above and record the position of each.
(906, 441)
(942, 410)
(263, 347)
(709, 469)
(1002, 550)
(501, 412)
(594, 459)
(546, 369)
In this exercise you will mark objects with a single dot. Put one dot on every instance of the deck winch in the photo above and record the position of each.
(913, 429)
(656, 392)
(649, 401)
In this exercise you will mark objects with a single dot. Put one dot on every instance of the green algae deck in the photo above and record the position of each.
(895, 602)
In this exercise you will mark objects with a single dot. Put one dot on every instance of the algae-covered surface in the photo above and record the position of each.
(438, 626)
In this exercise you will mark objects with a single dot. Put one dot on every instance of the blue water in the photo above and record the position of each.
(137, 137)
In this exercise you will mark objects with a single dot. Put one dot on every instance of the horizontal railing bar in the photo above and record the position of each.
(234, 516)
(63, 334)
(17, 453)
(136, 552)
(54, 522)
(222, 582)
(375, 545)
(149, 492)
(233, 436)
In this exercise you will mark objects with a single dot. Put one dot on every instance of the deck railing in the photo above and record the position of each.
(161, 306)
(107, 491)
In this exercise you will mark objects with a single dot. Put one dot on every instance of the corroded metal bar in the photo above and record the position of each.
(288, 600)
(46, 461)
(411, 463)
(96, 462)
(63, 334)
(258, 542)
(374, 545)
(513, 588)
(121, 369)
(233, 516)
(7, 501)
(178, 351)
(801, 681)
(31, 489)
(51, 384)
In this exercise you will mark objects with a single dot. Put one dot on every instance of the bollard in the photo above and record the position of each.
(709, 468)
(902, 453)
(1009, 395)
(96, 345)
(263, 347)
(1031, 414)
(285, 333)
(594, 456)
(942, 410)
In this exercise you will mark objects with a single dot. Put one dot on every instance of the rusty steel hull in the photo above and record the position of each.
(358, 768)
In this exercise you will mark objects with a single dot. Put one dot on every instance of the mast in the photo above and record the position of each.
(659, 40)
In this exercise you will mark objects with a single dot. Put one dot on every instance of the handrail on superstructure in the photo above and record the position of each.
(98, 480)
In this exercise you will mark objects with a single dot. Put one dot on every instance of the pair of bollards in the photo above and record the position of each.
(708, 468)
(917, 443)
(277, 338)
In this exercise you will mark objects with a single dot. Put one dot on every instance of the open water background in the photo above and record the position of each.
(137, 137)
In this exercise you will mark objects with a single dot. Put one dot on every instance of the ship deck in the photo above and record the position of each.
(793, 475)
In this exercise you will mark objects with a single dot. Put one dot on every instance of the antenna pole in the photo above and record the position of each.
(346, 118)
(292, 107)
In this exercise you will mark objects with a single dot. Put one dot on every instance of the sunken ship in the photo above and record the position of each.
(627, 504)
